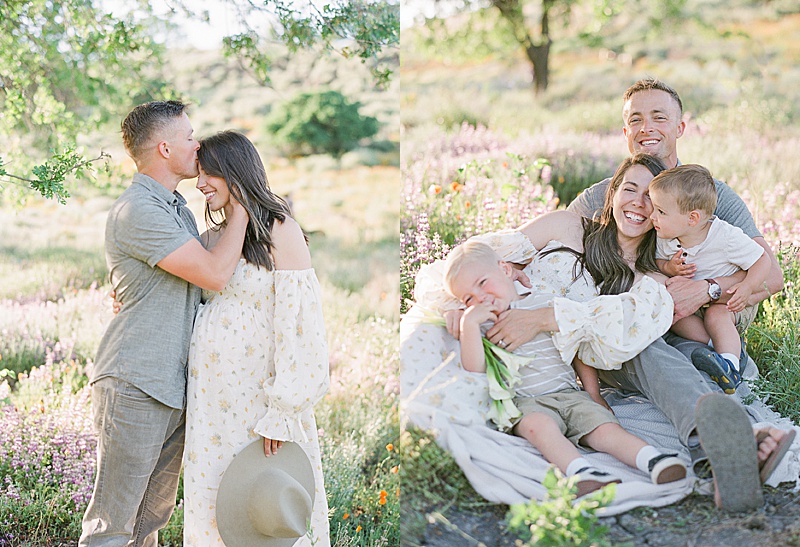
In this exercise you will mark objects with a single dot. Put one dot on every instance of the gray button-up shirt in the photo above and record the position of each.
(147, 342)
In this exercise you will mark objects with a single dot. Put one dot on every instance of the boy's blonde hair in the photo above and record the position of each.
(691, 185)
(469, 252)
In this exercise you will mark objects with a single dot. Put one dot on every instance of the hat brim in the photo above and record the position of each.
(233, 522)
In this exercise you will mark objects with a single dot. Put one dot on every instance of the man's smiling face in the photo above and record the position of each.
(653, 125)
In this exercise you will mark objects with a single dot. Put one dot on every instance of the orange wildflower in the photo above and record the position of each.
(358, 528)
(346, 516)
(395, 469)
(467, 204)
(456, 186)
(437, 189)
(390, 447)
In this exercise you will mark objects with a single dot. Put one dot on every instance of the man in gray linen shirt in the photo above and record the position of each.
(157, 266)
(653, 122)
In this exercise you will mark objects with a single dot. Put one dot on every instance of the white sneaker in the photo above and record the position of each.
(591, 479)
(666, 468)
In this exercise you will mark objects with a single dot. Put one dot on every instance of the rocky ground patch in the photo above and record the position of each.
(694, 521)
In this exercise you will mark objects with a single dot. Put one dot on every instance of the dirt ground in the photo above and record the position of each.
(694, 522)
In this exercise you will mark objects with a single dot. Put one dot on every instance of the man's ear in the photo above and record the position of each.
(163, 149)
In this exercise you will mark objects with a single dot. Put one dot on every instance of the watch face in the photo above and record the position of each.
(714, 291)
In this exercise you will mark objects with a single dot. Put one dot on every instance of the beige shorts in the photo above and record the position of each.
(741, 319)
(574, 411)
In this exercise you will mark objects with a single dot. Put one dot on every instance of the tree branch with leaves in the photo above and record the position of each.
(362, 29)
(65, 69)
(50, 176)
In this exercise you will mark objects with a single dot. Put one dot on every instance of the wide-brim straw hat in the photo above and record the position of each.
(266, 501)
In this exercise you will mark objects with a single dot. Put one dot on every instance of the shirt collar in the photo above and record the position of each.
(174, 199)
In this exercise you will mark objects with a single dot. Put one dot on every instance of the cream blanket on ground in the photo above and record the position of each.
(440, 397)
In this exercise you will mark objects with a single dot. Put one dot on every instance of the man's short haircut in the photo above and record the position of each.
(469, 252)
(691, 185)
(145, 120)
(647, 84)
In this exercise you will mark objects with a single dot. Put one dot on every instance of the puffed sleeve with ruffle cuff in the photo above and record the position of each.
(608, 330)
(429, 291)
(512, 245)
(301, 375)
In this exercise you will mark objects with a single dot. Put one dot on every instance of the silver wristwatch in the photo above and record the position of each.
(714, 290)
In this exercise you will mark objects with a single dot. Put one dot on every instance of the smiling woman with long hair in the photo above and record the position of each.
(258, 359)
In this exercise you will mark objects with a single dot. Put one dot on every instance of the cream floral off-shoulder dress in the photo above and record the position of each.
(258, 363)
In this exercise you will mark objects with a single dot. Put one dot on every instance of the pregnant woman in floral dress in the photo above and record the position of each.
(258, 359)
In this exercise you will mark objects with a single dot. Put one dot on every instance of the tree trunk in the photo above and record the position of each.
(539, 56)
(537, 53)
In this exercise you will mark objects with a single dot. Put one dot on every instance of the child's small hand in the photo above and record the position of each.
(602, 402)
(677, 265)
(478, 314)
(518, 275)
(738, 301)
(453, 320)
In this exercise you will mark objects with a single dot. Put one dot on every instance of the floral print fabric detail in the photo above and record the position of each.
(609, 330)
(257, 364)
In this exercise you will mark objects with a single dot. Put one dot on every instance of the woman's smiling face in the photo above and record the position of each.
(631, 204)
(214, 189)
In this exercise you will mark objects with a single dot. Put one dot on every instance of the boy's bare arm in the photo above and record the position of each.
(472, 356)
(590, 381)
(754, 280)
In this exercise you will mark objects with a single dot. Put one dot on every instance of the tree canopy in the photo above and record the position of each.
(68, 67)
(320, 123)
(353, 28)
(64, 67)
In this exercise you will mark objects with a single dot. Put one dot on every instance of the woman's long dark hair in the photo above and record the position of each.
(232, 157)
(602, 255)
